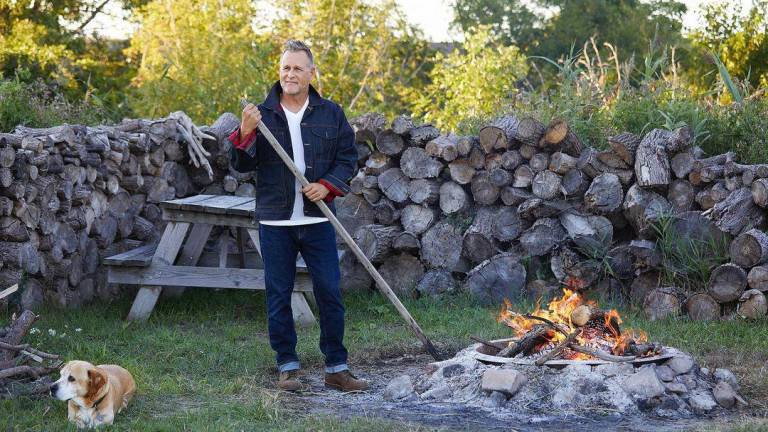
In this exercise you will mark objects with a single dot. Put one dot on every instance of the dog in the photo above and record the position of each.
(94, 394)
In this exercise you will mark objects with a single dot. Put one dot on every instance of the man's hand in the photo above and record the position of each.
(315, 191)
(250, 120)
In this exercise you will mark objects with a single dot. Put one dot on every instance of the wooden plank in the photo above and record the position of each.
(180, 202)
(137, 257)
(213, 219)
(190, 253)
(244, 209)
(170, 243)
(144, 302)
(199, 277)
(302, 314)
(8, 291)
(219, 204)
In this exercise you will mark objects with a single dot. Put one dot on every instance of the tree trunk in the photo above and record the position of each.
(561, 163)
(523, 177)
(424, 191)
(386, 212)
(499, 278)
(394, 184)
(417, 219)
(461, 171)
(416, 164)
(558, 135)
(377, 163)
(651, 160)
(752, 305)
(512, 196)
(499, 177)
(575, 183)
(758, 278)
(376, 241)
(444, 147)
(661, 303)
(436, 282)
(544, 235)
(680, 195)
(750, 249)
(643, 208)
(407, 242)
(483, 191)
(738, 212)
(539, 162)
(478, 243)
(726, 283)
(511, 159)
(453, 198)
(604, 194)
(439, 246)
(760, 192)
(402, 272)
(354, 277)
(500, 134)
(389, 143)
(507, 225)
(702, 307)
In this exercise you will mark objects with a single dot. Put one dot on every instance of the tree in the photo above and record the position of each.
(471, 82)
(512, 21)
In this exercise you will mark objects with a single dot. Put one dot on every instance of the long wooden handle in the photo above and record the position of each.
(380, 282)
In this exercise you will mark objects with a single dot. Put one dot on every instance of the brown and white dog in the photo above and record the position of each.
(94, 394)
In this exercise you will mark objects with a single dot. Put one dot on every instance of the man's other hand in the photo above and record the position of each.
(315, 191)
(250, 120)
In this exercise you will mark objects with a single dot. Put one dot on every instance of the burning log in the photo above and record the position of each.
(526, 343)
(554, 352)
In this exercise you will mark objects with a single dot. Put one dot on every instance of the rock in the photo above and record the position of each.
(701, 401)
(665, 373)
(453, 370)
(676, 387)
(704, 371)
(496, 400)
(614, 369)
(724, 394)
(681, 364)
(507, 381)
(399, 388)
(689, 381)
(439, 392)
(643, 384)
(727, 376)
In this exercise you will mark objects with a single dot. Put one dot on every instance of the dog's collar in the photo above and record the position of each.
(99, 401)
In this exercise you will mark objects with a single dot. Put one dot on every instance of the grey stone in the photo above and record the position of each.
(687, 380)
(676, 387)
(439, 392)
(496, 400)
(665, 373)
(507, 381)
(681, 364)
(577, 369)
(399, 388)
(704, 371)
(724, 394)
(614, 369)
(453, 370)
(727, 376)
(701, 401)
(643, 384)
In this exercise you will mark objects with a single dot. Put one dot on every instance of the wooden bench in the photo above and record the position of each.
(175, 262)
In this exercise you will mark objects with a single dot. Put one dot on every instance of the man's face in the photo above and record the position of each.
(295, 72)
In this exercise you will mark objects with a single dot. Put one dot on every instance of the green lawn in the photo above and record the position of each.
(203, 362)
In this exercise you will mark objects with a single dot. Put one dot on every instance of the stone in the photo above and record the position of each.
(496, 400)
(665, 373)
(681, 365)
(724, 394)
(453, 370)
(676, 387)
(704, 371)
(439, 392)
(507, 381)
(399, 388)
(643, 384)
(701, 401)
(614, 369)
(727, 376)
(689, 381)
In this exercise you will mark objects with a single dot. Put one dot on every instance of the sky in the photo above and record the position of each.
(432, 16)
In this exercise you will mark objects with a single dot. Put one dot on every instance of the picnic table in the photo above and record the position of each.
(174, 263)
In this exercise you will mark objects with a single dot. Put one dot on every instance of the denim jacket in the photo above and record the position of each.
(329, 153)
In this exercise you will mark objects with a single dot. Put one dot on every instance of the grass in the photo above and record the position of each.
(203, 362)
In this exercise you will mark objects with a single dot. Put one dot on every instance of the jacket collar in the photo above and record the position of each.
(273, 98)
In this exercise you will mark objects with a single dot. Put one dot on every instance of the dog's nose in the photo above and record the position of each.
(53, 389)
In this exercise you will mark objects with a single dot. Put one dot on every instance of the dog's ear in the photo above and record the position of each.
(96, 380)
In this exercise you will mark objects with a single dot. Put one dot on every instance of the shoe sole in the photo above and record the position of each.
(340, 388)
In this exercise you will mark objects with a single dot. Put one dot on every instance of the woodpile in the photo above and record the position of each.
(489, 212)
(24, 370)
(71, 195)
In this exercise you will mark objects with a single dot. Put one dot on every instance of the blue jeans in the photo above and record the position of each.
(317, 245)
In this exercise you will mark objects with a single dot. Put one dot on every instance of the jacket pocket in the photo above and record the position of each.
(325, 138)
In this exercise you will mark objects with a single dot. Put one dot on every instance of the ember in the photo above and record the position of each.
(572, 328)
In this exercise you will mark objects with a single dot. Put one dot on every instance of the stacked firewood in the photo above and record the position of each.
(24, 370)
(490, 212)
(71, 195)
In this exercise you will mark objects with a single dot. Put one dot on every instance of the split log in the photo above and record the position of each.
(352, 211)
(661, 303)
(752, 305)
(529, 131)
(527, 151)
(402, 125)
(354, 277)
(435, 282)
(500, 134)
(483, 191)
(507, 225)
(734, 182)
(726, 283)
(584, 315)
(363, 153)
(511, 159)
(651, 160)
(622, 261)
(371, 196)
(422, 134)
(444, 147)
(402, 272)
(376, 241)
(682, 164)
(461, 171)
(593, 167)
(407, 242)
(750, 249)
(386, 212)
(575, 183)
(416, 164)
(571, 269)
(758, 278)
(702, 307)
(368, 126)
(707, 198)
(453, 198)
(644, 208)
(561, 163)
(523, 177)
(543, 235)
(546, 185)
(377, 163)
(492, 161)
(737, 212)
(417, 219)
(499, 177)
(695, 176)
(394, 184)
(16, 332)
(604, 195)
(498, 278)
(439, 246)
(558, 135)
(539, 162)
(13, 229)
(760, 192)
(424, 191)
(513, 196)
(536, 208)
(389, 142)
(587, 230)
(476, 158)
(478, 243)
(681, 195)
(612, 160)
(625, 145)
(643, 284)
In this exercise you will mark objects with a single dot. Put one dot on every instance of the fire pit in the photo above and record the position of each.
(570, 359)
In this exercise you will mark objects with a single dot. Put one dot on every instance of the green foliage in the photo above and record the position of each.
(473, 81)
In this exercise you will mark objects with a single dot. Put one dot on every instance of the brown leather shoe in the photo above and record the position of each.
(345, 382)
(292, 381)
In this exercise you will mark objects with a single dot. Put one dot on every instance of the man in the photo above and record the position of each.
(316, 134)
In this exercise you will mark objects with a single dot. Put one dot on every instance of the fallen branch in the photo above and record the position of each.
(487, 343)
(28, 349)
(562, 329)
(525, 344)
(554, 352)
(36, 372)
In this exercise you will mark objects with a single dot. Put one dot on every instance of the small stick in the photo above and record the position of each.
(27, 348)
(602, 355)
(554, 352)
(20, 370)
(487, 343)
(550, 323)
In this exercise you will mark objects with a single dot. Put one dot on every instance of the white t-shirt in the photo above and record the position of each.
(297, 144)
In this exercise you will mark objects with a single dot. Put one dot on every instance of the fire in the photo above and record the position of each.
(599, 330)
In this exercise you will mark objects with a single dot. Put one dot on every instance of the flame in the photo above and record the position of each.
(606, 336)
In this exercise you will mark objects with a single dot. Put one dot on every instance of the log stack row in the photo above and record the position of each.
(524, 208)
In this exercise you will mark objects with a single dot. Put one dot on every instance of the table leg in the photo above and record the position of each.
(166, 252)
(190, 253)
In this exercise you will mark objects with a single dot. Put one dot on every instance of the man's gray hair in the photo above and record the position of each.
(294, 45)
